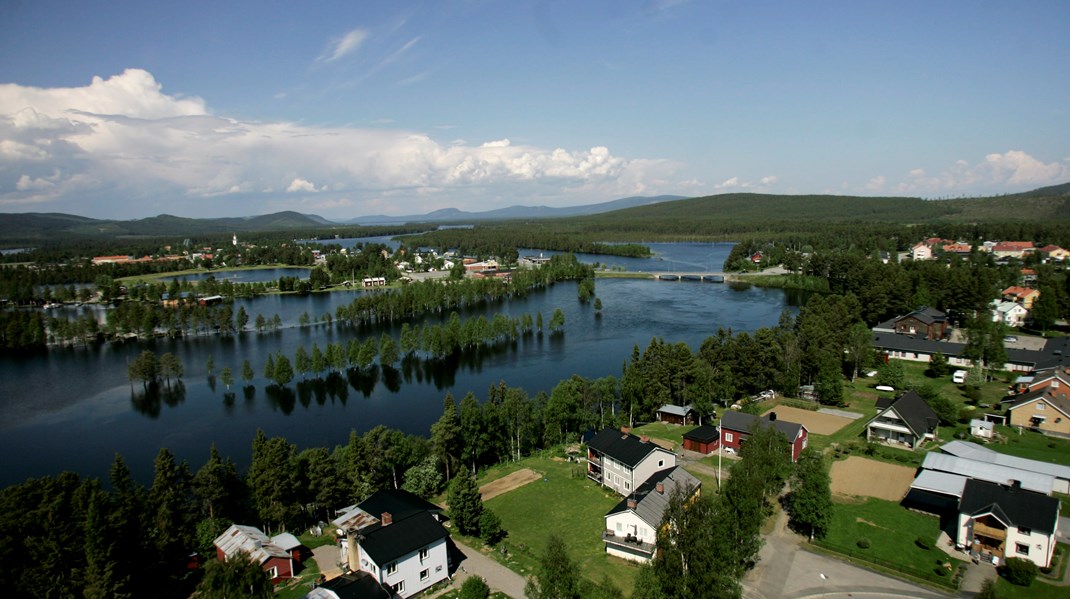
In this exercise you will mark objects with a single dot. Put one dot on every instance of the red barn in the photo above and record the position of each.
(276, 555)
(737, 426)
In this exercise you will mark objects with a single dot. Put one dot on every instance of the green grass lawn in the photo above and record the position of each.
(564, 502)
(1038, 590)
(891, 531)
(665, 431)
(302, 584)
(1033, 446)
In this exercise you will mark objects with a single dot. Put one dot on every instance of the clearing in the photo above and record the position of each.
(508, 483)
(815, 422)
(870, 478)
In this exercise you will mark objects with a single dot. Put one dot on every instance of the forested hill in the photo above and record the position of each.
(749, 209)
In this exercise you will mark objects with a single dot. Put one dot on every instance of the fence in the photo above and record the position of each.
(950, 581)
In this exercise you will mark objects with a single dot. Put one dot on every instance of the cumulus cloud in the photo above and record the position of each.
(301, 185)
(1011, 170)
(876, 183)
(124, 137)
(345, 45)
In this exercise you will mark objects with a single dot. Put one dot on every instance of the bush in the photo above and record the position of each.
(490, 527)
(474, 587)
(1021, 572)
(973, 394)
(863, 543)
(923, 543)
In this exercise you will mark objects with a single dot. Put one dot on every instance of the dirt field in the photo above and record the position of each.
(816, 423)
(870, 478)
(509, 482)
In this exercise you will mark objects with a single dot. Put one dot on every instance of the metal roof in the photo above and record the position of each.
(250, 540)
(650, 505)
(993, 473)
(940, 482)
(1015, 507)
(676, 410)
(973, 451)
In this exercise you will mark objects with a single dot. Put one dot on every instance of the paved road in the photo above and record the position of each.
(786, 571)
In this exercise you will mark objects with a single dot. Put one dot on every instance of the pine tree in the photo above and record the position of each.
(237, 576)
(466, 505)
(446, 434)
(247, 374)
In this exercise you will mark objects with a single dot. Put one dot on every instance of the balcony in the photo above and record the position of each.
(630, 544)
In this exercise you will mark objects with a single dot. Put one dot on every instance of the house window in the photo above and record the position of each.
(627, 485)
(399, 587)
(728, 436)
(1025, 531)
(423, 554)
(391, 568)
(1021, 548)
(424, 575)
(661, 463)
(1040, 407)
(273, 572)
(620, 527)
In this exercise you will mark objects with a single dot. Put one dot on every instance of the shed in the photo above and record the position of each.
(674, 414)
(704, 439)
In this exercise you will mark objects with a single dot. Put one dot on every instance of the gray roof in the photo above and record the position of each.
(385, 544)
(940, 482)
(676, 410)
(744, 423)
(1059, 402)
(250, 540)
(993, 473)
(650, 505)
(909, 343)
(927, 315)
(973, 451)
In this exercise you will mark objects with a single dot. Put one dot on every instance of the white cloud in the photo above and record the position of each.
(770, 180)
(301, 185)
(345, 45)
(876, 183)
(997, 173)
(123, 138)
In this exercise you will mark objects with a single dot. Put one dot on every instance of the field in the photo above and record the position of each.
(816, 422)
(507, 483)
(868, 478)
(563, 502)
(1033, 446)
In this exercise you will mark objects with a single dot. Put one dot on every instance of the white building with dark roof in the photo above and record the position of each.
(622, 461)
(632, 526)
(998, 522)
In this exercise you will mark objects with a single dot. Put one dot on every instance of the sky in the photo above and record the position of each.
(129, 109)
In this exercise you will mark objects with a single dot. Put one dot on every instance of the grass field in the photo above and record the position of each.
(891, 531)
(1033, 446)
(1038, 590)
(673, 433)
(564, 502)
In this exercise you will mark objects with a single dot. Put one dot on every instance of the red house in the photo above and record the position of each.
(275, 555)
(703, 439)
(737, 426)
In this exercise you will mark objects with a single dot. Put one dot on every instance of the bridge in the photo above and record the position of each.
(691, 277)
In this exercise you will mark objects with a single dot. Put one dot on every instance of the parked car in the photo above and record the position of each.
(1010, 339)
(959, 377)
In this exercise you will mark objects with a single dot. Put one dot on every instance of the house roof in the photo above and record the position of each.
(982, 424)
(944, 483)
(251, 540)
(1015, 507)
(355, 585)
(649, 504)
(973, 451)
(986, 471)
(399, 502)
(926, 315)
(745, 423)
(914, 412)
(912, 344)
(703, 434)
(676, 410)
(1012, 246)
(626, 448)
(385, 544)
(1058, 402)
(1019, 292)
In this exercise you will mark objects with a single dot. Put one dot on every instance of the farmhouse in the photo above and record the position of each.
(1046, 410)
(276, 555)
(396, 538)
(907, 420)
(737, 426)
(703, 439)
(674, 414)
(621, 461)
(632, 526)
(997, 522)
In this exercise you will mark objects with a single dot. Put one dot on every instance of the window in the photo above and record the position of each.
(423, 554)
(627, 486)
(424, 575)
(1021, 548)
(620, 527)
(728, 436)
(1025, 531)
(273, 572)
(391, 568)
(661, 463)
(1040, 407)
(399, 587)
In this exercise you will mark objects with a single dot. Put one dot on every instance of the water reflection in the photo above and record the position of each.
(149, 398)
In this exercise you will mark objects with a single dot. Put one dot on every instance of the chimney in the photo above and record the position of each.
(1016, 485)
(631, 503)
(772, 416)
(660, 488)
(386, 519)
(644, 439)
(352, 551)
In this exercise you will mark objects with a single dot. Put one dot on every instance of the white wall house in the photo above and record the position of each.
(407, 556)
(631, 531)
(1011, 314)
(998, 522)
(621, 461)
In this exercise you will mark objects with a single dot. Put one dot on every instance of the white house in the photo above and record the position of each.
(1011, 314)
(982, 428)
(632, 526)
(621, 461)
(920, 251)
(998, 522)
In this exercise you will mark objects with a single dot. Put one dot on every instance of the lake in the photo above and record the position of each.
(258, 275)
(74, 409)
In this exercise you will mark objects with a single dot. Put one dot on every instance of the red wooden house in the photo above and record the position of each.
(277, 556)
(703, 439)
(737, 426)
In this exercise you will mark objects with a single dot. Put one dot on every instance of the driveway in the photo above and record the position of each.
(498, 577)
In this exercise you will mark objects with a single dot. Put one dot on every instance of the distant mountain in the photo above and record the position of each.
(28, 227)
(513, 212)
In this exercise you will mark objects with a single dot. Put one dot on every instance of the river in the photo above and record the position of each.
(73, 409)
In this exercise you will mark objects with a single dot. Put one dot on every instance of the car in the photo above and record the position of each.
(1010, 339)
(959, 377)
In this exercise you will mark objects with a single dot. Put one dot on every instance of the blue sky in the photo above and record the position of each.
(132, 109)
